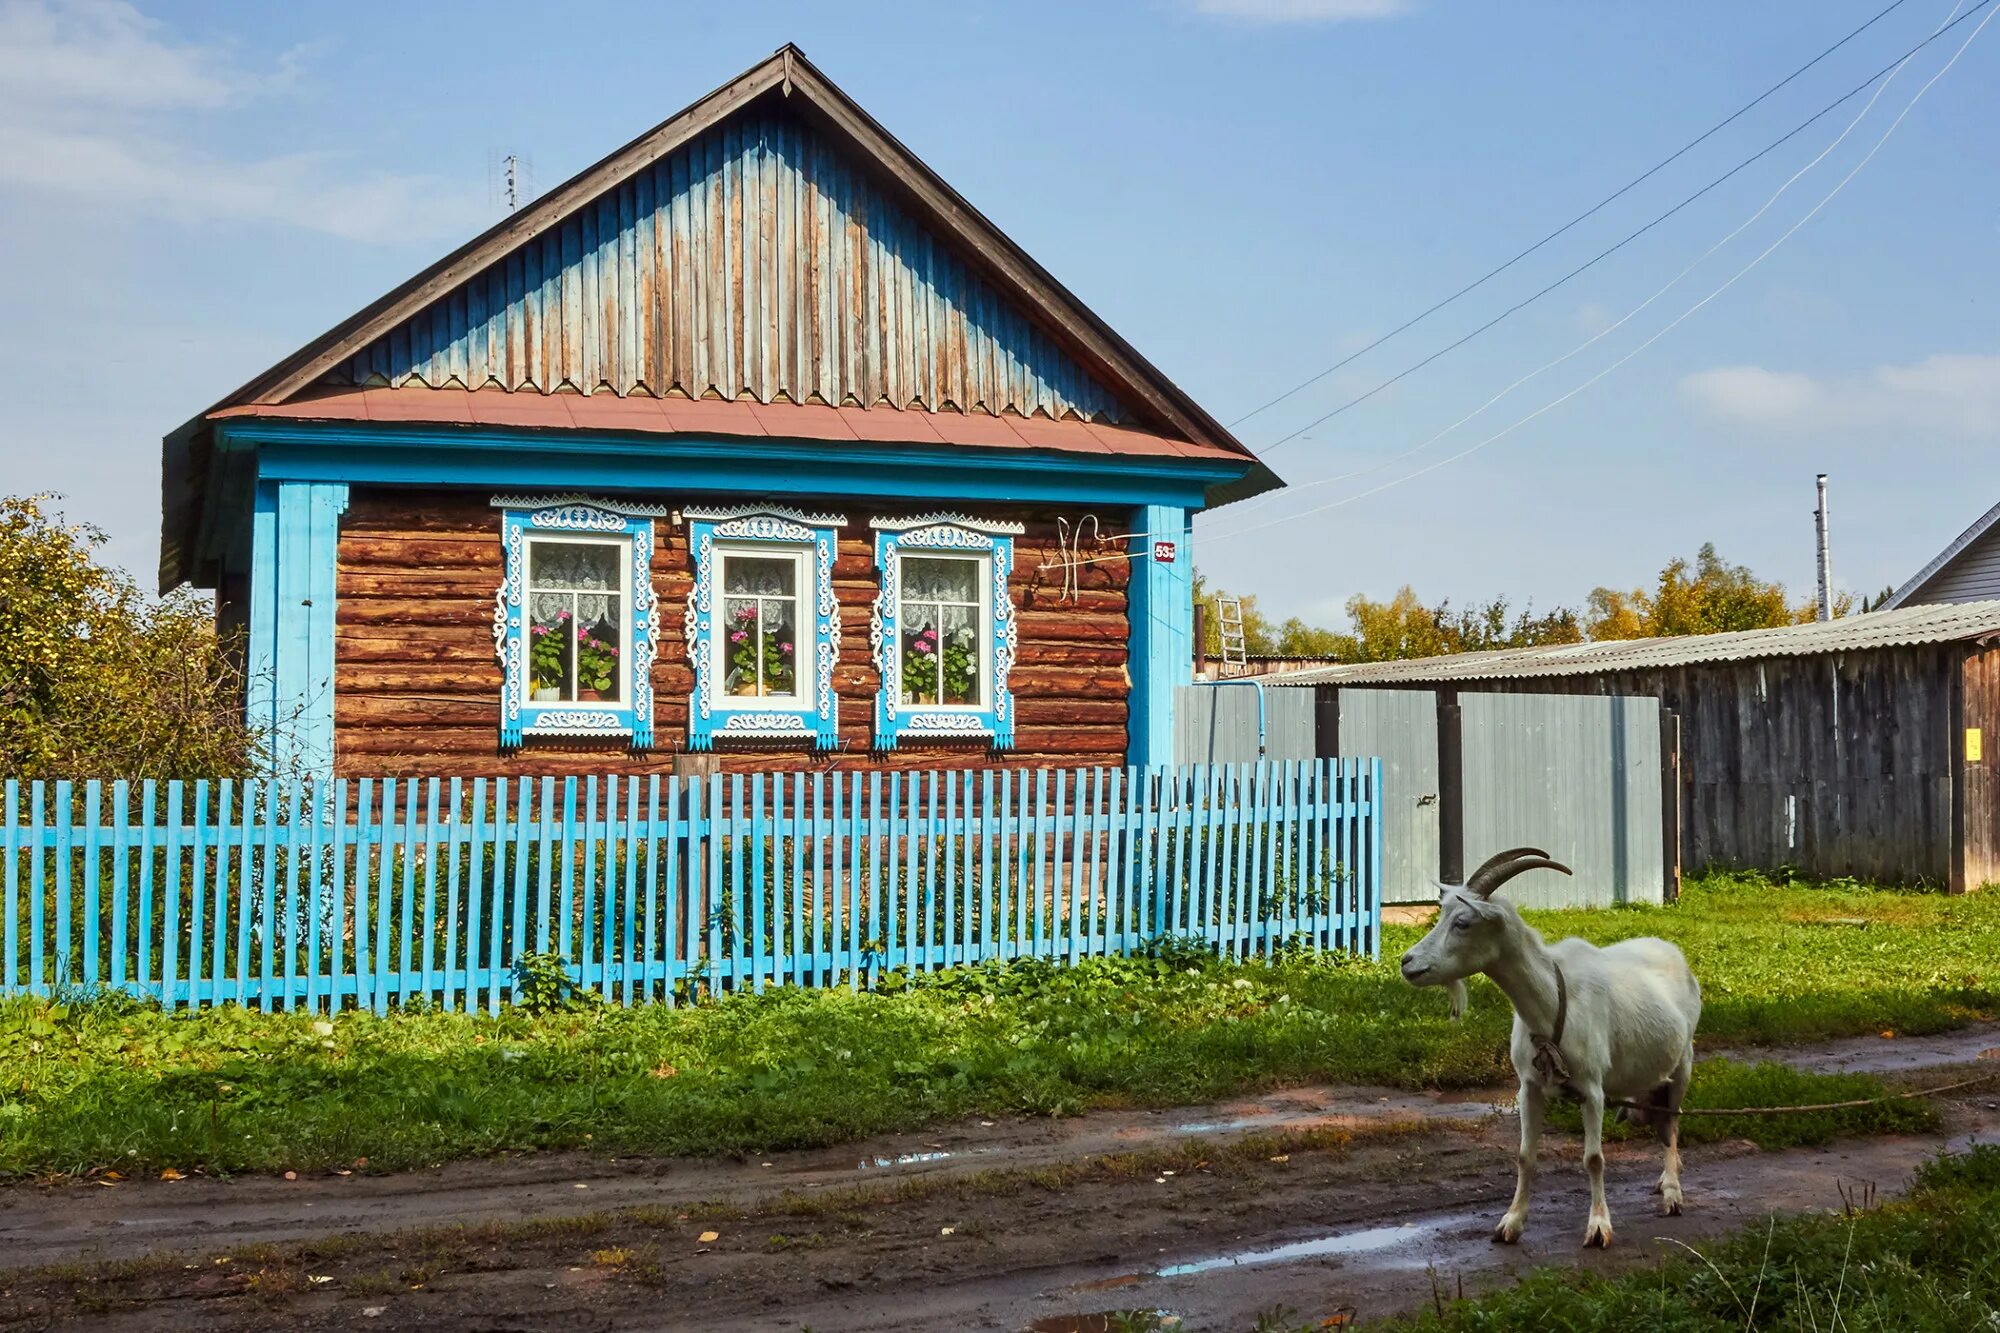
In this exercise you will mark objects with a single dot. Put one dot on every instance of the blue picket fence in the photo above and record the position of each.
(375, 893)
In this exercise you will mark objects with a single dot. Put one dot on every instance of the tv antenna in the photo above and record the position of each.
(510, 179)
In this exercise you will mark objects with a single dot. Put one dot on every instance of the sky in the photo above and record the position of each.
(1248, 190)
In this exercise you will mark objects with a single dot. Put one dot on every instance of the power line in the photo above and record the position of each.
(1388, 460)
(1606, 253)
(1675, 323)
(1584, 216)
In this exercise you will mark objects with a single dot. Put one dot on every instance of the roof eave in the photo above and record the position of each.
(1980, 527)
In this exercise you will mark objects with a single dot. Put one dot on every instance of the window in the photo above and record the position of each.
(763, 628)
(760, 620)
(573, 620)
(944, 632)
(576, 620)
(942, 621)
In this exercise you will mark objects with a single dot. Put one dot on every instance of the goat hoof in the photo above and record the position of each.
(1598, 1237)
(1671, 1207)
(1507, 1233)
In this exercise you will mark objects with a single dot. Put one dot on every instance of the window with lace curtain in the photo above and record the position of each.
(763, 626)
(573, 622)
(944, 633)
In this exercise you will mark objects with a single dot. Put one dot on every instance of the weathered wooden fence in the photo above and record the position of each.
(374, 893)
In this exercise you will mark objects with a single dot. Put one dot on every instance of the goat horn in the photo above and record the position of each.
(1513, 868)
(1476, 881)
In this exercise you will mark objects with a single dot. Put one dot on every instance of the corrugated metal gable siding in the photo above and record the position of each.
(755, 261)
(1971, 576)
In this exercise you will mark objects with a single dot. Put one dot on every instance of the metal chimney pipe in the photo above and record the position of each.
(1825, 554)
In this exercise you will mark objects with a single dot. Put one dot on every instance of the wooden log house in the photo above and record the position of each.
(752, 439)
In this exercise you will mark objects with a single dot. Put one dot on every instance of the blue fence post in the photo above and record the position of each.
(10, 973)
(37, 912)
(170, 892)
(297, 807)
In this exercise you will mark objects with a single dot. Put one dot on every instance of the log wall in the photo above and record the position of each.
(417, 686)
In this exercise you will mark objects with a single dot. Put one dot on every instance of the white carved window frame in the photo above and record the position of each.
(525, 519)
(992, 542)
(764, 530)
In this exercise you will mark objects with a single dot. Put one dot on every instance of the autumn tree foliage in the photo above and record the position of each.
(97, 679)
(1707, 595)
(1710, 596)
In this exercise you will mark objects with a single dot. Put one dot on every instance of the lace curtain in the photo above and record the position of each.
(929, 580)
(588, 578)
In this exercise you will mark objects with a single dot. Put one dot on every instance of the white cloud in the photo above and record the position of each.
(1305, 11)
(1951, 393)
(104, 103)
(1593, 318)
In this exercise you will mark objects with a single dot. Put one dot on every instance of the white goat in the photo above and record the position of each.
(1614, 1023)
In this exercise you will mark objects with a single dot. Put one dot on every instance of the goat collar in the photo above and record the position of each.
(1549, 1065)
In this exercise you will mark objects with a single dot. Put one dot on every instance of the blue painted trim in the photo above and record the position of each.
(1161, 601)
(520, 716)
(295, 537)
(712, 717)
(895, 720)
(683, 463)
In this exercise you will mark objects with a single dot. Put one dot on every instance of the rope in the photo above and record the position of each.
(1822, 1106)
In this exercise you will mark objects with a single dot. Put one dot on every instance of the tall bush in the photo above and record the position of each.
(98, 680)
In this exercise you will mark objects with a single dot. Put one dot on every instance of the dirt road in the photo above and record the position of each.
(1315, 1199)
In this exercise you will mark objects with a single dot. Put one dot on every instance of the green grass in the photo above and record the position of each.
(107, 1085)
(1927, 1264)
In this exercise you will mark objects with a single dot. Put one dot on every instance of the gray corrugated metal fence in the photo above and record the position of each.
(1578, 775)
(1217, 724)
(1401, 727)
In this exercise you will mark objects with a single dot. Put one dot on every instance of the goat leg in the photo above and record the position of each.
(1675, 1090)
(1534, 1104)
(1597, 1230)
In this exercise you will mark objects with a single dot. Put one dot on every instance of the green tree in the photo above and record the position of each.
(1709, 597)
(1404, 627)
(97, 680)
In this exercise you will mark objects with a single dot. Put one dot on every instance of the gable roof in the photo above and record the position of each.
(1986, 523)
(1056, 358)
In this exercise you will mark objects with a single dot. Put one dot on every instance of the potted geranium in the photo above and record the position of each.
(742, 678)
(547, 666)
(920, 671)
(961, 666)
(596, 666)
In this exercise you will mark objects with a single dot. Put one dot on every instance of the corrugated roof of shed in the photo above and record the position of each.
(1879, 629)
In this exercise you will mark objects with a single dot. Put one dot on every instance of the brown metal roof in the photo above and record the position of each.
(681, 416)
(1969, 621)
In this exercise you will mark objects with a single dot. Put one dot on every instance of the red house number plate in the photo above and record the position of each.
(1163, 553)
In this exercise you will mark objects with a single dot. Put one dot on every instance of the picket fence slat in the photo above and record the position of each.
(380, 893)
